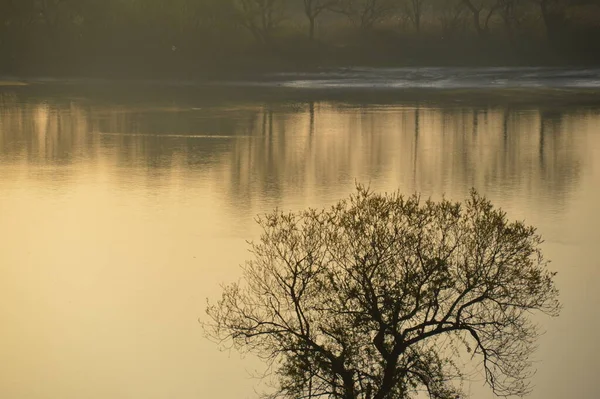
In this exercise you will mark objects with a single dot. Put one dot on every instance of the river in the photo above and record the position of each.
(124, 206)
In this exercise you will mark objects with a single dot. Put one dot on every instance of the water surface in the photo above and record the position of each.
(123, 208)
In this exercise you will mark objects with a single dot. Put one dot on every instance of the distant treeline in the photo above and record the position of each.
(186, 37)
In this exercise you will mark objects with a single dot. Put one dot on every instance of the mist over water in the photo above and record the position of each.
(380, 79)
(441, 78)
(121, 213)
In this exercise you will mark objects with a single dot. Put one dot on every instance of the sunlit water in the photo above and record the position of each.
(121, 213)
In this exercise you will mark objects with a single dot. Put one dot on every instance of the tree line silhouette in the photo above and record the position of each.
(187, 36)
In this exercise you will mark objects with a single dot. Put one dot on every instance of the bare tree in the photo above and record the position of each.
(512, 13)
(482, 12)
(260, 17)
(314, 8)
(555, 15)
(374, 297)
(366, 13)
(452, 17)
(414, 10)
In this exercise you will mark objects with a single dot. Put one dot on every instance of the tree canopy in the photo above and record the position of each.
(381, 296)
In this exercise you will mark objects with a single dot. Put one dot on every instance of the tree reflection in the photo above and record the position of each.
(424, 148)
(272, 150)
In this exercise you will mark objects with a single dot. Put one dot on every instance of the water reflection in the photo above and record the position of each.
(118, 218)
(260, 149)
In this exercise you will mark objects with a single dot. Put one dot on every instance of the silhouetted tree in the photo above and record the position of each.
(185, 36)
(375, 297)
(260, 17)
(366, 13)
(414, 10)
(482, 12)
(314, 8)
(451, 16)
(509, 13)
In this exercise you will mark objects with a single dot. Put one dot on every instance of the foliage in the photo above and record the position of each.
(378, 296)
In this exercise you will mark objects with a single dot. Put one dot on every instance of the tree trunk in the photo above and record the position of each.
(476, 17)
(477, 23)
(508, 18)
(416, 9)
(311, 32)
(553, 21)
